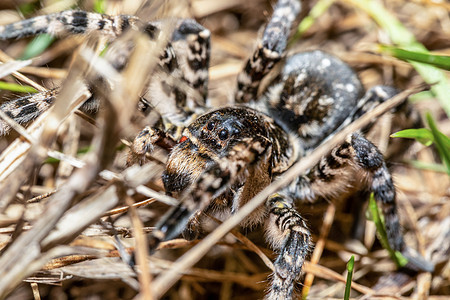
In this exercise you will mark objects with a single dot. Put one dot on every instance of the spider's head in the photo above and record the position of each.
(208, 139)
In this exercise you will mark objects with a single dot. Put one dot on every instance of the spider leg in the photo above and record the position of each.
(191, 44)
(246, 168)
(287, 231)
(25, 109)
(194, 227)
(68, 22)
(401, 117)
(357, 159)
(269, 51)
(372, 98)
(144, 143)
(180, 89)
(177, 91)
(180, 82)
(406, 117)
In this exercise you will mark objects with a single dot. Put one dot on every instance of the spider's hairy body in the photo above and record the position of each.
(222, 158)
(301, 107)
(213, 135)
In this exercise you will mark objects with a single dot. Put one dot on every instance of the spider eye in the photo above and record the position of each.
(223, 134)
(210, 126)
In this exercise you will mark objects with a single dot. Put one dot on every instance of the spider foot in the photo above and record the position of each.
(144, 143)
(193, 228)
(381, 185)
(287, 230)
(270, 50)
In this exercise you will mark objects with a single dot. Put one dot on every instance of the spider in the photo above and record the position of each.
(220, 158)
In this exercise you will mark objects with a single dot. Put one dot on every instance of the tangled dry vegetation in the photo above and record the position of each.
(59, 217)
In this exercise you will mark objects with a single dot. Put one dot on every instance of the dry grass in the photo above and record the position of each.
(59, 220)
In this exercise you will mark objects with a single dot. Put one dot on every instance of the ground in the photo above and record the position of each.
(232, 269)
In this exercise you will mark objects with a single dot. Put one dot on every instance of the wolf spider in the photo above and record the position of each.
(220, 158)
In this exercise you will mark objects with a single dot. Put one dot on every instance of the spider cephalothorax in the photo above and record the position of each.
(212, 136)
(218, 161)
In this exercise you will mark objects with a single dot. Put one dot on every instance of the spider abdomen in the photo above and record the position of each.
(313, 95)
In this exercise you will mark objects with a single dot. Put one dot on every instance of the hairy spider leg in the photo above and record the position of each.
(402, 116)
(144, 143)
(179, 93)
(357, 159)
(287, 231)
(25, 109)
(269, 51)
(187, 34)
(191, 44)
(69, 22)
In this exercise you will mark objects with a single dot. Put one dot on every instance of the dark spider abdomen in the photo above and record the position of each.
(313, 95)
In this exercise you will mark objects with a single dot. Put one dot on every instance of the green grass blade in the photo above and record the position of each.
(14, 87)
(441, 141)
(439, 61)
(348, 283)
(27, 9)
(425, 95)
(427, 166)
(422, 135)
(396, 256)
(99, 6)
(319, 9)
(81, 151)
(403, 38)
(37, 46)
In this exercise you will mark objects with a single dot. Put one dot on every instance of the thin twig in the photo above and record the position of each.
(254, 248)
(123, 209)
(318, 249)
(35, 289)
(144, 274)
(325, 273)
(5, 57)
